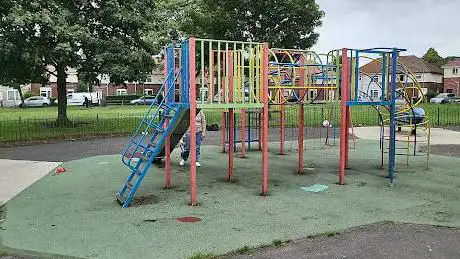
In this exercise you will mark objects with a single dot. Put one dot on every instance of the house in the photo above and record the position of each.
(428, 76)
(9, 97)
(50, 89)
(452, 77)
(149, 87)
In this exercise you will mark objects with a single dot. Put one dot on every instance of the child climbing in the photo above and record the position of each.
(200, 135)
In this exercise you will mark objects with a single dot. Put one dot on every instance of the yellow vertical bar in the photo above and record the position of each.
(258, 78)
(227, 86)
(242, 69)
(235, 68)
(203, 82)
(211, 72)
(251, 76)
(219, 74)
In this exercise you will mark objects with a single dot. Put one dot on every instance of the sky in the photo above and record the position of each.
(415, 25)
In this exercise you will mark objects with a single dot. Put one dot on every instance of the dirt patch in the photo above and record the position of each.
(145, 200)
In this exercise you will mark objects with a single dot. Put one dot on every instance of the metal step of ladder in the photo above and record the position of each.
(147, 142)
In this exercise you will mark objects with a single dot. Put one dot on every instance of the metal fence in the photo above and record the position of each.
(38, 129)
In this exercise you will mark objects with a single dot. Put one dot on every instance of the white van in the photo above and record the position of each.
(78, 99)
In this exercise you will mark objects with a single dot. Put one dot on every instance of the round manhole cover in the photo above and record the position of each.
(188, 219)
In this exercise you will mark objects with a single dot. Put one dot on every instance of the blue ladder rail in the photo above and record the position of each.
(152, 123)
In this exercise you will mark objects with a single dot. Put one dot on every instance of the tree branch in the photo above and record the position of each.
(51, 72)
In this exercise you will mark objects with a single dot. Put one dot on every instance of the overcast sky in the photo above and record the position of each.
(412, 24)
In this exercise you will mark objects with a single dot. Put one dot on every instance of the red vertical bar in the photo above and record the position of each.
(347, 140)
(300, 139)
(192, 101)
(243, 133)
(229, 63)
(282, 130)
(168, 138)
(261, 122)
(265, 122)
(180, 79)
(344, 116)
(223, 131)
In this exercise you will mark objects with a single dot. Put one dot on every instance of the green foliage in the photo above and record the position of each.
(288, 24)
(430, 94)
(278, 243)
(243, 250)
(94, 37)
(202, 256)
(82, 87)
(29, 94)
(432, 56)
(122, 97)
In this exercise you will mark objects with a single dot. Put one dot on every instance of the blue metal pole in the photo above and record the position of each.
(392, 116)
(384, 75)
(356, 75)
(170, 68)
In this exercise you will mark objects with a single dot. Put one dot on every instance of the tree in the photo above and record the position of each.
(286, 24)
(19, 64)
(433, 58)
(92, 36)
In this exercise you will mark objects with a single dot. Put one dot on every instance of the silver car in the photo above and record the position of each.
(442, 98)
(37, 101)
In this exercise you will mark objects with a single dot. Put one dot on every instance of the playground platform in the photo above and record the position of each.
(74, 214)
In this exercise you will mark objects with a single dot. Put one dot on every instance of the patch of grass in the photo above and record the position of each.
(202, 256)
(243, 250)
(2, 211)
(278, 243)
(3, 253)
(326, 234)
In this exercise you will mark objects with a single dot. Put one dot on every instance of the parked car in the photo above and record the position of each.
(144, 100)
(442, 98)
(78, 99)
(37, 101)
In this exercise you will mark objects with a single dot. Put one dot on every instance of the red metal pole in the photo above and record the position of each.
(168, 138)
(265, 123)
(192, 101)
(243, 133)
(343, 116)
(261, 122)
(301, 117)
(282, 130)
(300, 139)
(223, 131)
(230, 115)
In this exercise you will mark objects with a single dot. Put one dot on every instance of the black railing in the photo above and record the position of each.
(39, 129)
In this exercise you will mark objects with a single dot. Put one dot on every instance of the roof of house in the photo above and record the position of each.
(413, 63)
(453, 63)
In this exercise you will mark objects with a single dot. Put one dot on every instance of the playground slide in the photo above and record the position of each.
(180, 128)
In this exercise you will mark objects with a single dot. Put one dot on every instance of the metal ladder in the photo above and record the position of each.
(148, 139)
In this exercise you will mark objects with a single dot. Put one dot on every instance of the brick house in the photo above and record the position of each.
(452, 77)
(429, 77)
(149, 87)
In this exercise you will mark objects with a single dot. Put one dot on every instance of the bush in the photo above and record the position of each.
(430, 94)
(29, 94)
(120, 99)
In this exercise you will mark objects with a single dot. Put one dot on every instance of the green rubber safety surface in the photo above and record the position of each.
(75, 213)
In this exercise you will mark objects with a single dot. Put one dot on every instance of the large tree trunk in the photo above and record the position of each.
(62, 96)
(18, 87)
